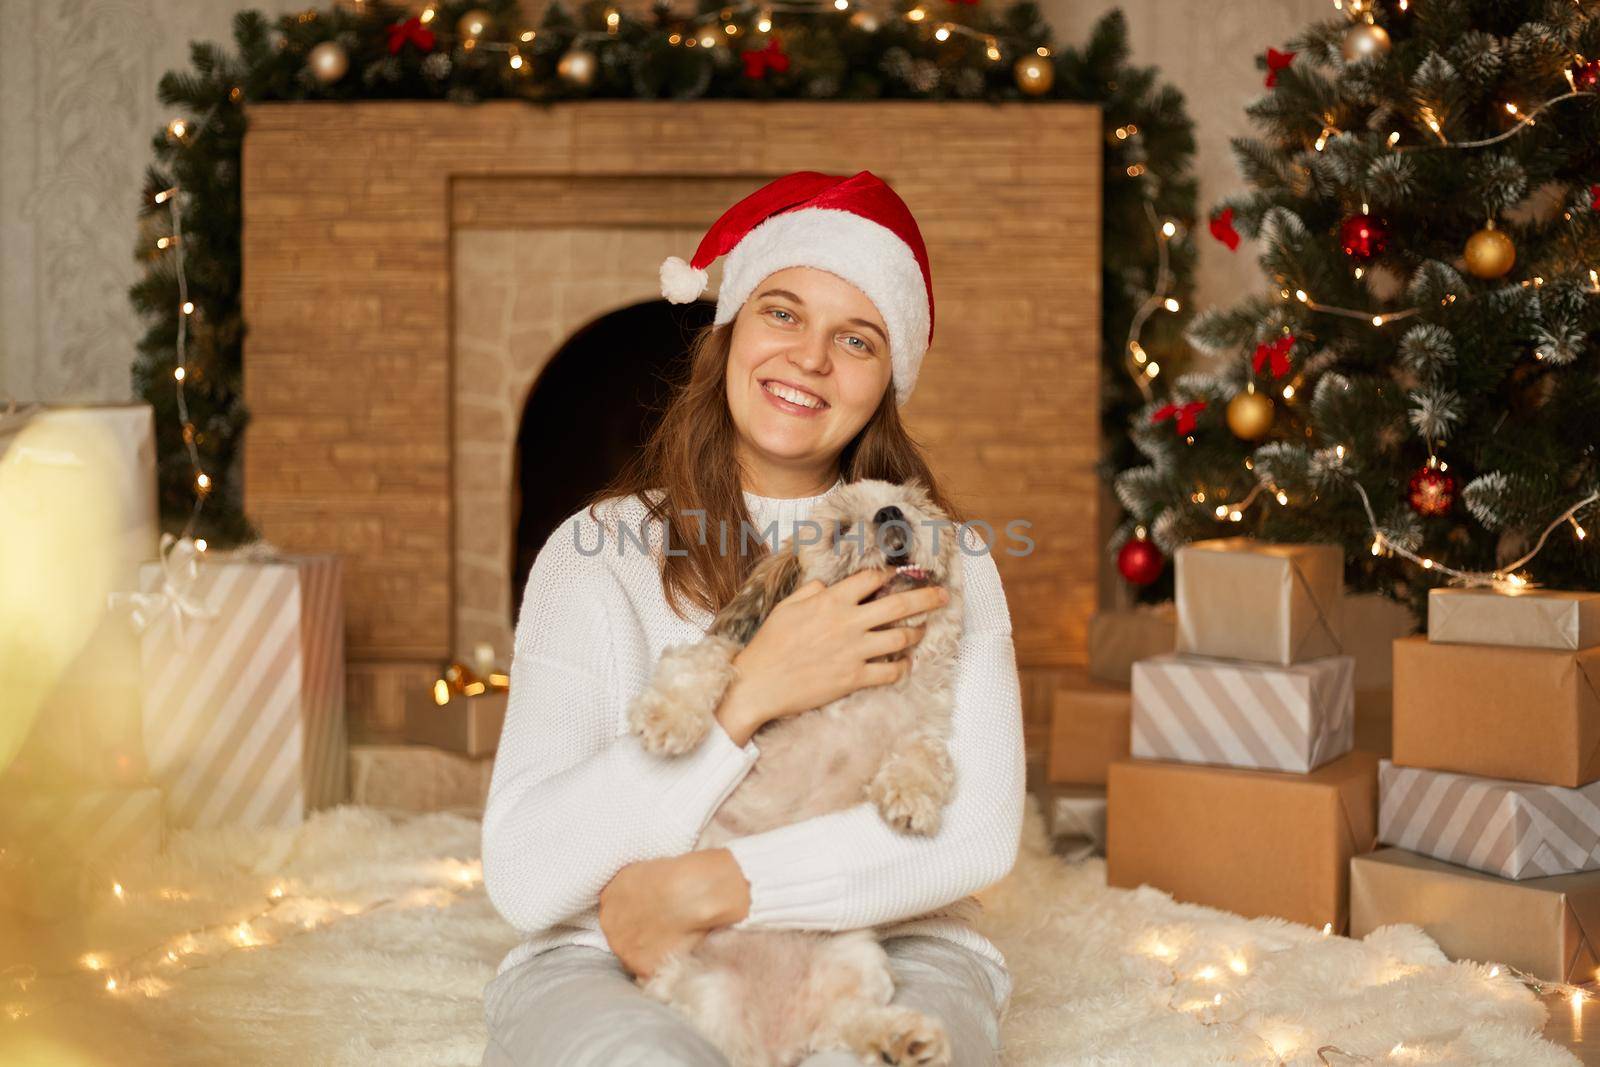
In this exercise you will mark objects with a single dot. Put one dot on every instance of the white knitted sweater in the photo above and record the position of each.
(574, 797)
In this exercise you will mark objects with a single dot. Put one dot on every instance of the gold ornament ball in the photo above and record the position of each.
(1490, 253)
(474, 24)
(865, 21)
(1250, 415)
(577, 67)
(328, 62)
(1364, 40)
(1035, 74)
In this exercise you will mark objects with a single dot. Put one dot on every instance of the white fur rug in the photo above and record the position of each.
(379, 942)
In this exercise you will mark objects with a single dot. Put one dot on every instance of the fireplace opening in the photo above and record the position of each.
(590, 411)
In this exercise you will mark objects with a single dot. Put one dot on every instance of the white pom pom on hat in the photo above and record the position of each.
(855, 227)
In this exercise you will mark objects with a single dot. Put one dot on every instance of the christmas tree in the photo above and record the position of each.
(1418, 383)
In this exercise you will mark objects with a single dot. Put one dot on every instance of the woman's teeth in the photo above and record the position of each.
(793, 396)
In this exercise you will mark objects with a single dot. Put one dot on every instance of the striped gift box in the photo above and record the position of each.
(1241, 714)
(1512, 829)
(244, 708)
(85, 825)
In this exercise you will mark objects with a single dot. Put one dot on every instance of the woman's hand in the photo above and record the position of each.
(815, 647)
(653, 908)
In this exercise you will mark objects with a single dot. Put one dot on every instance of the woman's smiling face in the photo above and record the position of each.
(808, 366)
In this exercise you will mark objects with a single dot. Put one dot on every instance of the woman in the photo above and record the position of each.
(826, 301)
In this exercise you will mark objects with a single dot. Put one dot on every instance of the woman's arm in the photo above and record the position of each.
(849, 869)
(574, 798)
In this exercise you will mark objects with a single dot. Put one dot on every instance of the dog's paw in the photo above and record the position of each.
(665, 725)
(905, 800)
(911, 1039)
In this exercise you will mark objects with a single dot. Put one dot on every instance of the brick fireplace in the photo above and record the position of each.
(419, 277)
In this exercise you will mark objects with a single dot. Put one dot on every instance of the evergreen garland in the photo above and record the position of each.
(832, 54)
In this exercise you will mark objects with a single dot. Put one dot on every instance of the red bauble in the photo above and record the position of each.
(1431, 491)
(1140, 561)
(1363, 237)
(1586, 76)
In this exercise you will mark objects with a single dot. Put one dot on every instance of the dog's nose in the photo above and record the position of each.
(893, 538)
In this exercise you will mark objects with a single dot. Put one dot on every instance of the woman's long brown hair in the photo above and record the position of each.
(691, 456)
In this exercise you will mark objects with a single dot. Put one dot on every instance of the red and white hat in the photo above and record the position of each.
(857, 228)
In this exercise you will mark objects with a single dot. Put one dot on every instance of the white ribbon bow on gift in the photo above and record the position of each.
(180, 568)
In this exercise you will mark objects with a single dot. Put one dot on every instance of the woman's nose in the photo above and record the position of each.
(812, 355)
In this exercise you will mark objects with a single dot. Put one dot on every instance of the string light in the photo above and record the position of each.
(172, 198)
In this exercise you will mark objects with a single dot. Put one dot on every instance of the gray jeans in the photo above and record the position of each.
(576, 1006)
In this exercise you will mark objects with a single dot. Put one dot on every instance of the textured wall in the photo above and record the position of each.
(78, 79)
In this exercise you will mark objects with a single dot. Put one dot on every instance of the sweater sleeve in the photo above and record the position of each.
(850, 869)
(573, 796)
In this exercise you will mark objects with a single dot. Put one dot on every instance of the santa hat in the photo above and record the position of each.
(855, 227)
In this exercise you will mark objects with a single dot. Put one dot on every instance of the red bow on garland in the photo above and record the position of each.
(1277, 353)
(1594, 193)
(757, 61)
(411, 30)
(1184, 413)
(1277, 61)
(1222, 229)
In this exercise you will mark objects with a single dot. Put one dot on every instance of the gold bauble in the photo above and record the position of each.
(1364, 40)
(1490, 253)
(577, 67)
(474, 24)
(865, 21)
(1250, 415)
(328, 62)
(1035, 74)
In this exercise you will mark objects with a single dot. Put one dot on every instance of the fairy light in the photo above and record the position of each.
(1504, 578)
(942, 33)
(1288, 392)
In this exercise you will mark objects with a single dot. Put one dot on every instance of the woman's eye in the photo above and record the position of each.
(780, 311)
(863, 347)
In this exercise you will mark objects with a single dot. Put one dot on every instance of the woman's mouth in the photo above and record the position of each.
(792, 400)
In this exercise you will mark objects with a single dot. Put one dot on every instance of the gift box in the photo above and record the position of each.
(469, 725)
(1241, 714)
(243, 658)
(1374, 720)
(1253, 842)
(1118, 639)
(1544, 926)
(1526, 618)
(82, 825)
(1088, 730)
(1076, 816)
(1530, 714)
(1369, 626)
(77, 517)
(1240, 598)
(1511, 829)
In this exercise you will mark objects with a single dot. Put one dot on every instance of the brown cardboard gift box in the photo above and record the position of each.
(1253, 842)
(1529, 714)
(468, 725)
(1239, 598)
(1088, 729)
(1549, 927)
(1120, 638)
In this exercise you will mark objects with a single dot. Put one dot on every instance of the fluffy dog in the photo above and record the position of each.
(769, 998)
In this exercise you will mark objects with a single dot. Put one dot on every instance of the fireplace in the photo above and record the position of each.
(455, 332)
(593, 405)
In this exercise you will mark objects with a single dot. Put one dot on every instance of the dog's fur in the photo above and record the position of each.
(769, 998)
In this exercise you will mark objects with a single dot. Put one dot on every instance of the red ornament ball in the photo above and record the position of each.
(1140, 561)
(1431, 491)
(1586, 76)
(1363, 237)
